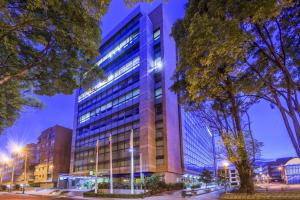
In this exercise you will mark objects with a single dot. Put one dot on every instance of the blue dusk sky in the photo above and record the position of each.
(266, 122)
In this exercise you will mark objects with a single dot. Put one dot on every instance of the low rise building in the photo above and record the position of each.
(54, 149)
(231, 174)
(20, 168)
(291, 171)
(273, 169)
(233, 177)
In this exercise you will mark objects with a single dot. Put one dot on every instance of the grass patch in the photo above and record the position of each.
(104, 195)
(290, 195)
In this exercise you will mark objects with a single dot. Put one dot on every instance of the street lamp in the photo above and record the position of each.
(19, 150)
(225, 165)
(280, 169)
(5, 160)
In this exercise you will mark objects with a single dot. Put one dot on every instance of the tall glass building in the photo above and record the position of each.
(198, 149)
(139, 58)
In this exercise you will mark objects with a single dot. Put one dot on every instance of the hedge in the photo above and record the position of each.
(105, 195)
(292, 195)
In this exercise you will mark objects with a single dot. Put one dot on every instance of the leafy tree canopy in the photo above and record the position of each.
(206, 176)
(218, 43)
(46, 47)
(254, 43)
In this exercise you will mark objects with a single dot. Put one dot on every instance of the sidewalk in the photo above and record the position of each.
(166, 196)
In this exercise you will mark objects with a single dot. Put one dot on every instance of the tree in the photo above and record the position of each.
(263, 38)
(46, 47)
(206, 177)
(211, 79)
(154, 183)
(273, 57)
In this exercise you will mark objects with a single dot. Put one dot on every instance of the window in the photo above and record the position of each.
(158, 93)
(131, 65)
(119, 47)
(156, 34)
(158, 109)
(112, 104)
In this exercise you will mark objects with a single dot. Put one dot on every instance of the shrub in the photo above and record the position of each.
(34, 185)
(155, 185)
(17, 187)
(102, 195)
(175, 186)
(3, 187)
(196, 186)
(103, 185)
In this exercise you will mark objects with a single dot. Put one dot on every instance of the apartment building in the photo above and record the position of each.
(54, 149)
(20, 168)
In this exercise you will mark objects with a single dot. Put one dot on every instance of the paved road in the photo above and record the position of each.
(172, 196)
(5, 196)
(177, 196)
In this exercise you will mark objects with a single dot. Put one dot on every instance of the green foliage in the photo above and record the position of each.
(273, 195)
(46, 48)
(254, 44)
(34, 185)
(156, 185)
(233, 54)
(196, 186)
(124, 196)
(3, 187)
(206, 176)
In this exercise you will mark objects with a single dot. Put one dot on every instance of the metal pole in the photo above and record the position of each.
(25, 167)
(12, 174)
(96, 175)
(2, 172)
(225, 170)
(25, 171)
(110, 164)
(141, 171)
(132, 163)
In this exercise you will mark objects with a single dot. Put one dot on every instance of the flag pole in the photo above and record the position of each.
(132, 163)
(110, 163)
(141, 171)
(96, 175)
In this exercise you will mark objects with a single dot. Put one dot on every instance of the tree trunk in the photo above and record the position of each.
(246, 177)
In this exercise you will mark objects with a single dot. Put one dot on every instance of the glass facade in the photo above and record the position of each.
(136, 96)
(111, 106)
(292, 174)
(198, 144)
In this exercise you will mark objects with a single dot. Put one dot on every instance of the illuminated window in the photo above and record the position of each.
(119, 47)
(156, 34)
(128, 67)
(112, 104)
(158, 93)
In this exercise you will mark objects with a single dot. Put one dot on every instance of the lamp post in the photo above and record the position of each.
(280, 168)
(12, 173)
(2, 172)
(17, 150)
(25, 170)
(1, 180)
(5, 161)
(225, 165)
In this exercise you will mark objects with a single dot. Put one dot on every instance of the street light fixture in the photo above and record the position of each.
(225, 165)
(19, 150)
(5, 160)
